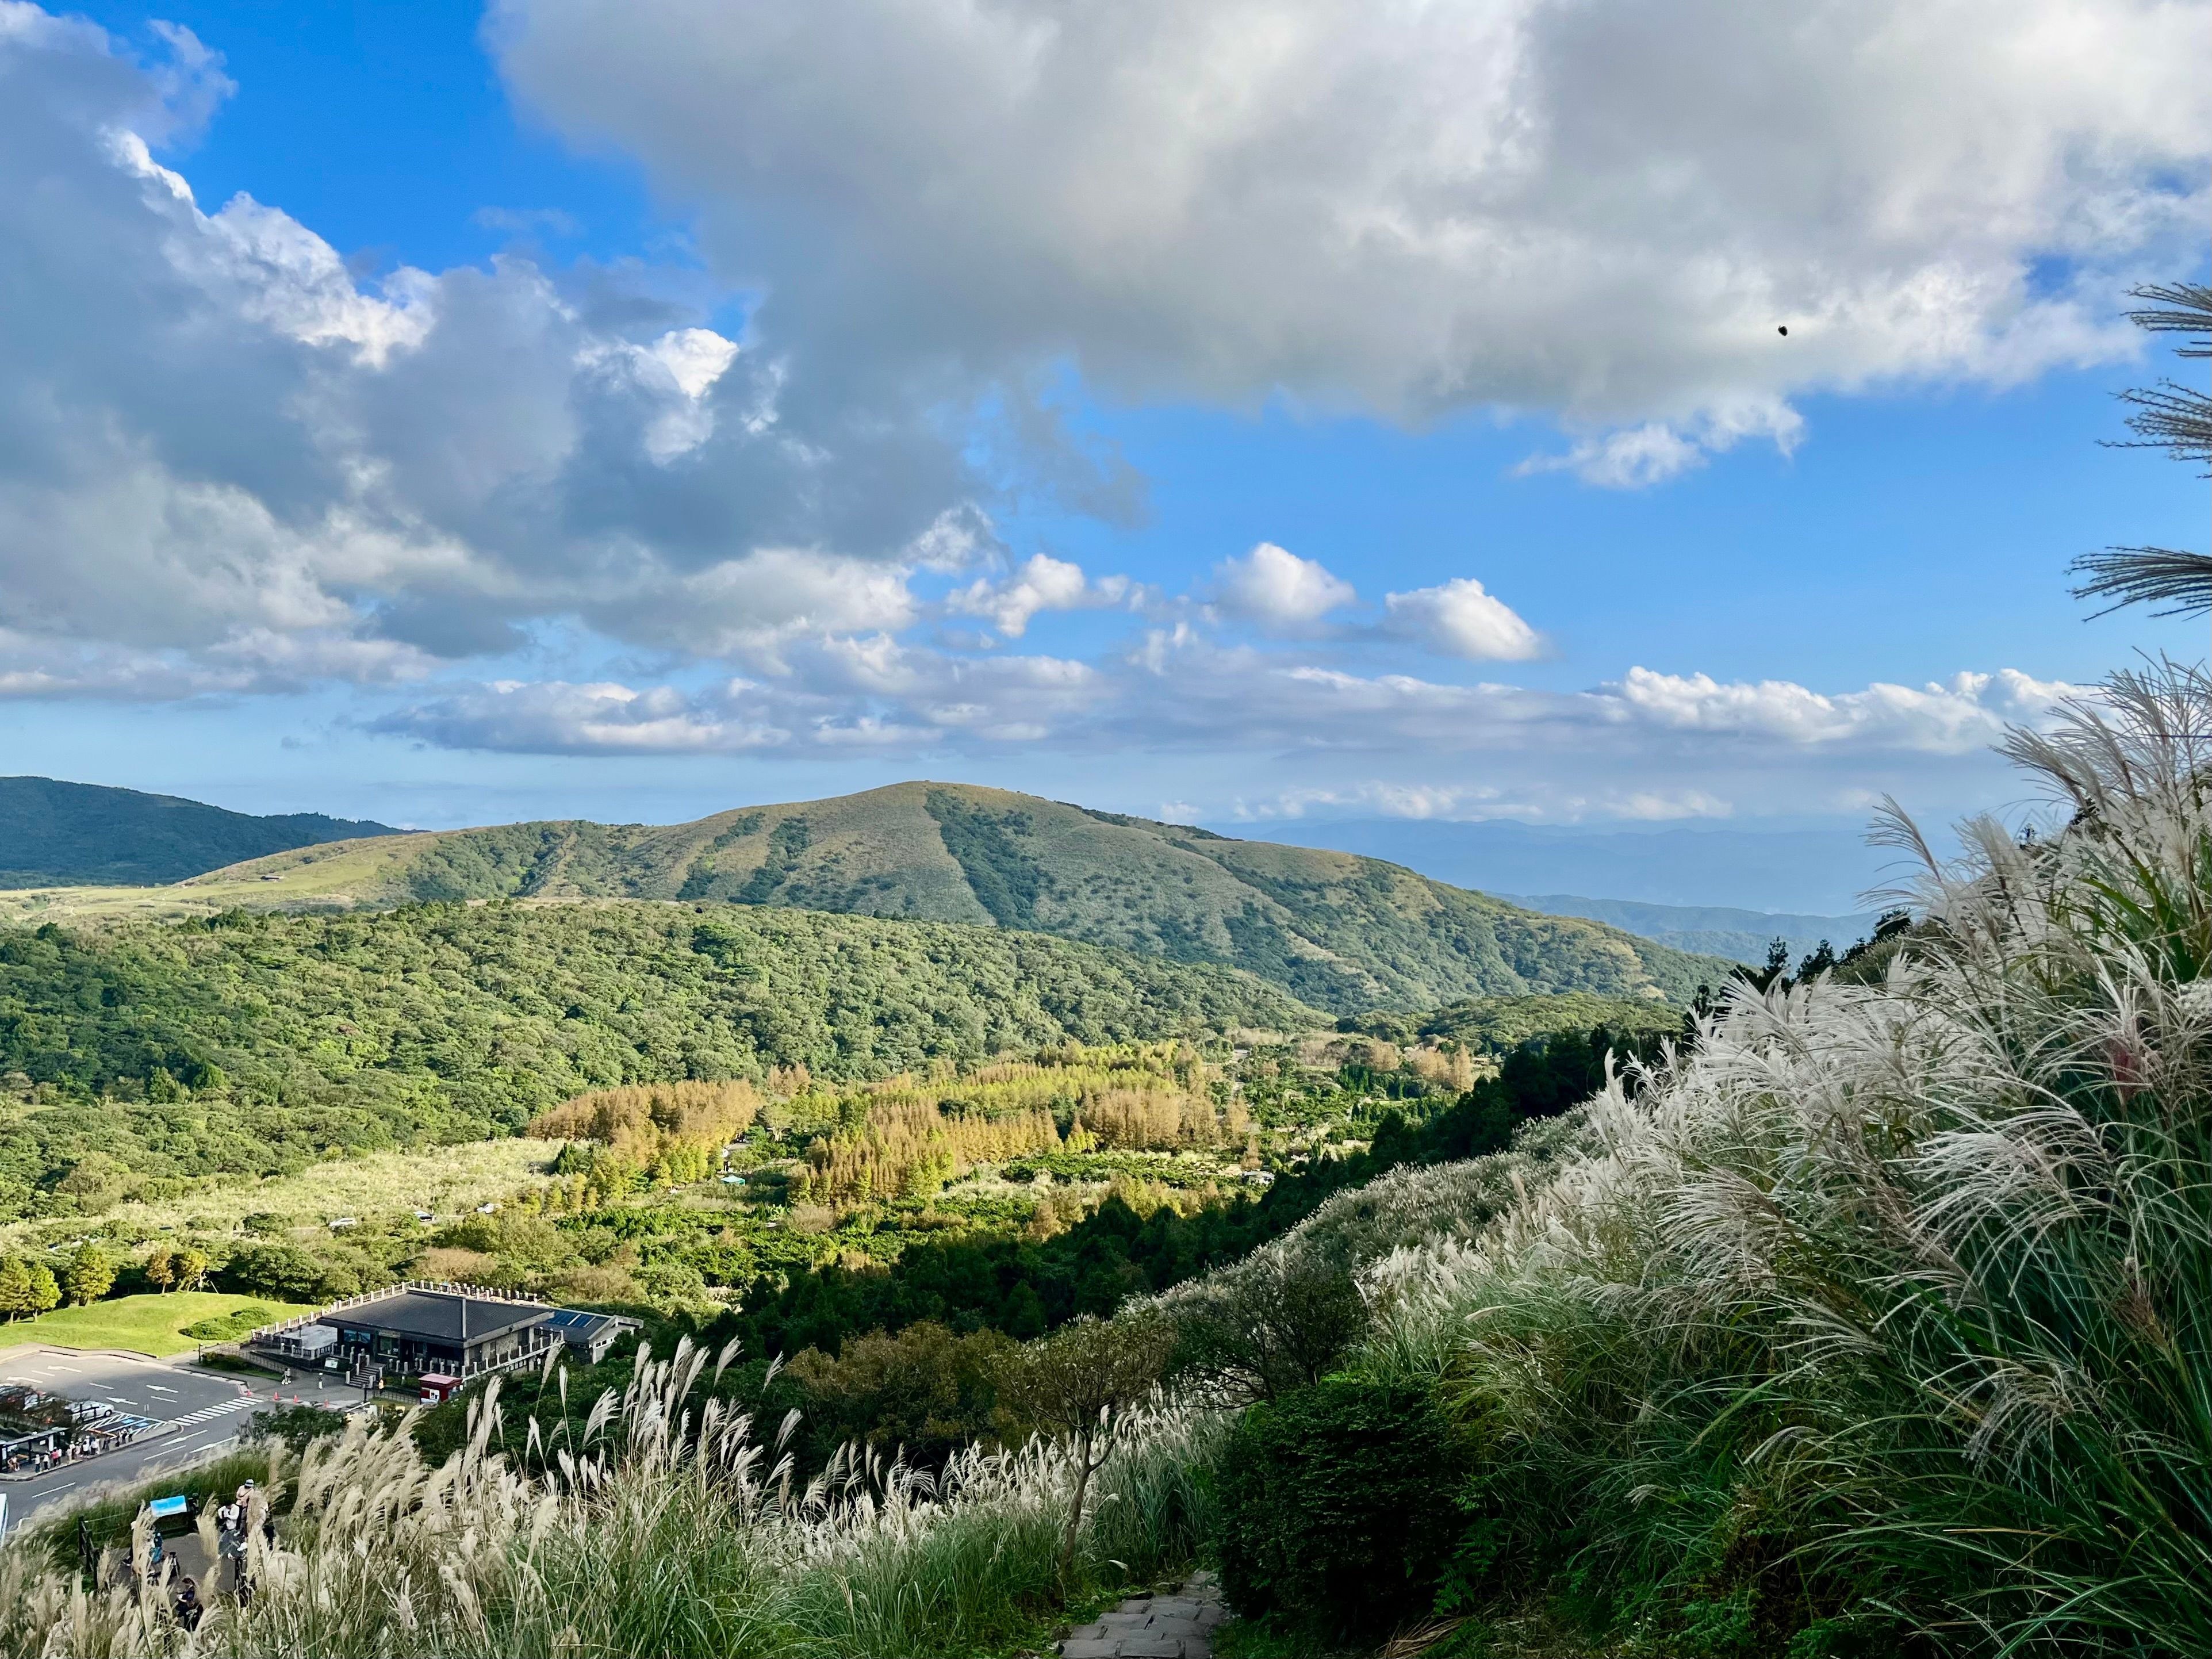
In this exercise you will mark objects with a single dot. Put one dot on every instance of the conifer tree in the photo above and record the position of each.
(89, 1275)
(15, 1286)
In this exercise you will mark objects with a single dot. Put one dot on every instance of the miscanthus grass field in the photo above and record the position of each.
(1877, 1321)
(1886, 1315)
(692, 1538)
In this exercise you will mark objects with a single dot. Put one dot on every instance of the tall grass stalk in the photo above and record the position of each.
(671, 1529)
(1900, 1295)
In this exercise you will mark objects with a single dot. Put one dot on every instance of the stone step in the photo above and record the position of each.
(1175, 1626)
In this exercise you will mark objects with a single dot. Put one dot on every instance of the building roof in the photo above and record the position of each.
(583, 1319)
(440, 1316)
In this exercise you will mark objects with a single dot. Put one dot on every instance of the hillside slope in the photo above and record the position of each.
(54, 834)
(1338, 931)
(255, 1044)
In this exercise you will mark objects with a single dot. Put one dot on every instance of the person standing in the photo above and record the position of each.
(230, 1537)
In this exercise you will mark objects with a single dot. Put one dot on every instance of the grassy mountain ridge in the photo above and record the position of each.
(1338, 931)
(54, 834)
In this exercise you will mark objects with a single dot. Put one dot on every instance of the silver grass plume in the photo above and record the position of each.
(2176, 419)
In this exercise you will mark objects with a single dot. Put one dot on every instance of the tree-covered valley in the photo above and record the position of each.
(253, 1044)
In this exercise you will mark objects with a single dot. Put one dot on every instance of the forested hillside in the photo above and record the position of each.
(256, 1043)
(1498, 1025)
(894, 1349)
(1023, 1285)
(1340, 932)
(63, 834)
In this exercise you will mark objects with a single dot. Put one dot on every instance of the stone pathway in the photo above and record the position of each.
(1178, 1626)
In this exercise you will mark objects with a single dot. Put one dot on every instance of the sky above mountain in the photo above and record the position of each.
(1268, 410)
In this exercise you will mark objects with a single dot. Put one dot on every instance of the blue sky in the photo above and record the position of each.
(630, 411)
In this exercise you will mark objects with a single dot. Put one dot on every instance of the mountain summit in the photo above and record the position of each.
(1341, 932)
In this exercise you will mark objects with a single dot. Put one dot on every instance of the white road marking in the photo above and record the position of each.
(223, 1410)
(158, 1388)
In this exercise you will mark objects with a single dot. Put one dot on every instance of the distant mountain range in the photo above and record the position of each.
(1820, 871)
(1342, 932)
(77, 835)
(1714, 930)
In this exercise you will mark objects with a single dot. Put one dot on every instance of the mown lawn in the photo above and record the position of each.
(145, 1324)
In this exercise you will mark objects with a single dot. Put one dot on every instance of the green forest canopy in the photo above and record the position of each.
(258, 1043)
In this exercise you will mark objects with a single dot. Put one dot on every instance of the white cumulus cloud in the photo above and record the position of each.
(752, 608)
(1043, 583)
(1463, 802)
(1229, 721)
(1600, 210)
(1179, 690)
(230, 465)
(1275, 587)
(1461, 618)
(603, 718)
(218, 446)
(1969, 712)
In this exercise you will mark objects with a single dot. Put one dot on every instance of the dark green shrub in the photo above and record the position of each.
(296, 1425)
(228, 1327)
(1275, 1323)
(283, 1271)
(924, 1393)
(219, 1361)
(1338, 1508)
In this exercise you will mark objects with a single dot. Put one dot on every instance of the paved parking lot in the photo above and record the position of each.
(205, 1411)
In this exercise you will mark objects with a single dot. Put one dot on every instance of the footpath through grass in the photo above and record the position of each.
(151, 1324)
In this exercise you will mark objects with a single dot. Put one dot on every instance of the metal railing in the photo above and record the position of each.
(529, 1353)
(384, 1293)
(535, 1340)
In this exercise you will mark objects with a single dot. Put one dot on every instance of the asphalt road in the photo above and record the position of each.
(208, 1408)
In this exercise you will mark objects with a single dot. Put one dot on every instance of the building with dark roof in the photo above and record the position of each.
(448, 1331)
(453, 1330)
(590, 1334)
(413, 1329)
